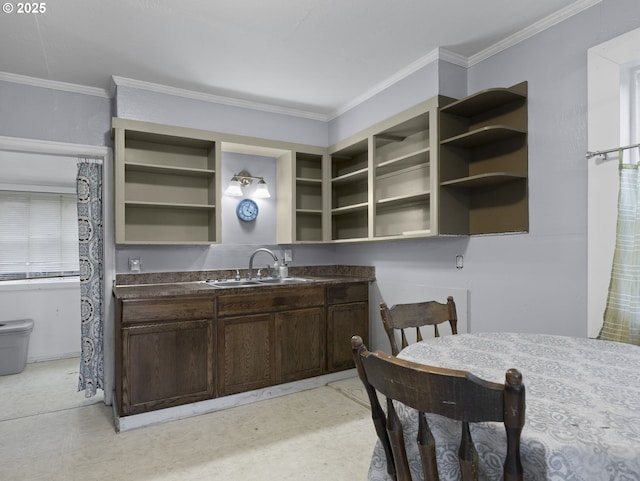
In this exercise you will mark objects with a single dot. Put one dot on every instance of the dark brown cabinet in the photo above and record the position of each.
(270, 337)
(247, 353)
(166, 357)
(182, 349)
(301, 351)
(347, 315)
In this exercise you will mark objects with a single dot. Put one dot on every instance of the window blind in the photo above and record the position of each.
(38, 235)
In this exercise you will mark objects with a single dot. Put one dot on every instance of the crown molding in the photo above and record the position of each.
(388, 82)
(454, 58)
(53, 84)
(19, 144)
(218, 99)
(533, 29)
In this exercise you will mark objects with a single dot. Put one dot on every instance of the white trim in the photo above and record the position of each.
(41, 284)
(453, 58)
(528, 32)
(395, 78)
(49, 189)
(218, 99)
(20, 144)
(54, 84)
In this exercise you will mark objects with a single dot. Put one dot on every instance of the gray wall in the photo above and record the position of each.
(137, 104)
(534, 282)
(46, 114)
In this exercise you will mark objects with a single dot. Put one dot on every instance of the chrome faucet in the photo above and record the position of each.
(262, 249)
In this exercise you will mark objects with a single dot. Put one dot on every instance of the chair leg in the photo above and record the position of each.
(396, 437)
(467, 455)
(427, 447)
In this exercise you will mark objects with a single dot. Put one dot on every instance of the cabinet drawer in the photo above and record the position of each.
(260, 301)
(342, 293)
(183, 308)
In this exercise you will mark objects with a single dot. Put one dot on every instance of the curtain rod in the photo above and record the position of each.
(608, 151)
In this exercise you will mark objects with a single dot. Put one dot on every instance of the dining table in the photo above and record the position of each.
(582, 420)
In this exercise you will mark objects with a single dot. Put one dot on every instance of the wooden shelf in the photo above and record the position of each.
(356, 175)
(302, 180)
(309, 211)
(483, 136)
(482, 102)
(402, 199)
(483, 180)
(349, 209)
(169, 205)
(412, 159)
(164, 169)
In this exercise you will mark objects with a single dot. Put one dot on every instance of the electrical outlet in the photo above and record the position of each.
(134, 264)
(288, 255)
(459, 262)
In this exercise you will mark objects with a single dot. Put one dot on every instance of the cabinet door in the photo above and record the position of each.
(167, 364)
(343, 322)
(301, 341)
(246, 346)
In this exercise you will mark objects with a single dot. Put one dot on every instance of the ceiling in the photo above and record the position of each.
(313, 56)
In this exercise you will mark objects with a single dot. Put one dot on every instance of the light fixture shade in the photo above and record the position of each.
(234, 188)
(262, 191)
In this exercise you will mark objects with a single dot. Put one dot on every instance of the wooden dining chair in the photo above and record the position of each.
(455, 394)
(416, 315)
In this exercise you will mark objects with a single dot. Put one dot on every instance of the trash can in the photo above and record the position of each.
(14, 344)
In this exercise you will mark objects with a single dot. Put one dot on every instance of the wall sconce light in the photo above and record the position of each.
(244, 179)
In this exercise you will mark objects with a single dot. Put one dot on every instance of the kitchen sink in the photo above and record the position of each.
(231, 283)
(270, 281)
(285, 280)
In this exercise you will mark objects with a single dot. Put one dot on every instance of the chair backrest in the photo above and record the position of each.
(452, 393)
(416, 315)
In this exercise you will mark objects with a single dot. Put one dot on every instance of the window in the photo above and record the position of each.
(630, 109)
(38, 235)
(634, 124)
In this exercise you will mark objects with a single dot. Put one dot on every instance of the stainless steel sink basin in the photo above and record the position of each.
(231, 283)
(257, 282)
(285, 280)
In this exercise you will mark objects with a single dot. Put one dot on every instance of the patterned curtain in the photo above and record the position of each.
(90, 234)
(622, 313)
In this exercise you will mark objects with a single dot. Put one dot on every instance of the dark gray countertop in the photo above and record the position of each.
(172, 284)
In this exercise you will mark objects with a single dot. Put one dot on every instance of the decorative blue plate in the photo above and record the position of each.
(247, 210)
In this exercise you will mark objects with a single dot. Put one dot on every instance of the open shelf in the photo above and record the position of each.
(484, 101)
(483, 136)
(350, 191)
(166, 185)
(309, 195)
(483, 180)
(403, 171)
(483, 165)
(164, 169)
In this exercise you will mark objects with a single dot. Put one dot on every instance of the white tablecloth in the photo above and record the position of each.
(582, 407)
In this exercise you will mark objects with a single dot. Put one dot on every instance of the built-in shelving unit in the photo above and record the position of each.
(403, 174)
(166, 184)
(442, 167)
(484, 163)
(350, 192)
(384, 179)
(309, 203)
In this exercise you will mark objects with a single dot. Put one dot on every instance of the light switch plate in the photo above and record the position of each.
(288, 255)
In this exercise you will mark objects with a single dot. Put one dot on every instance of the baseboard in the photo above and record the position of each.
(127, 423)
